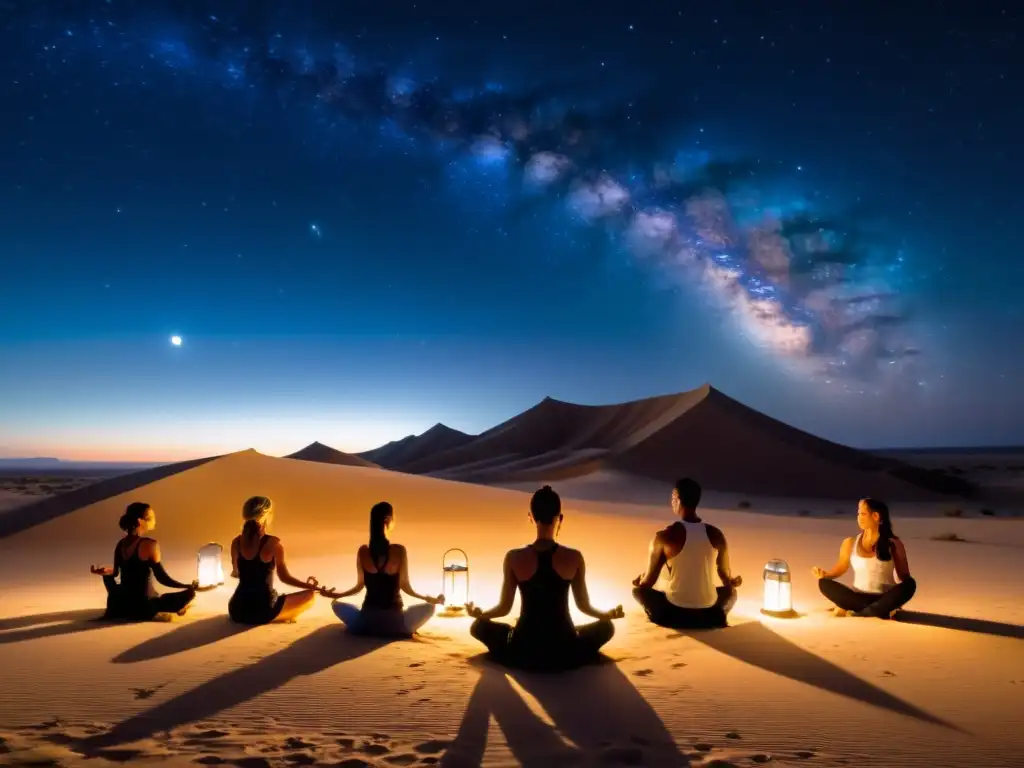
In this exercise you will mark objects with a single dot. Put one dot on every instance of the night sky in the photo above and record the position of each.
(365, 217)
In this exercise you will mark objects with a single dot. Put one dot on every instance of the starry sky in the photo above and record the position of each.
(362, 218)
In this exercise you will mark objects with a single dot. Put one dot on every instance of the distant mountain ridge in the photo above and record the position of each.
(401, 453)
(324, 454)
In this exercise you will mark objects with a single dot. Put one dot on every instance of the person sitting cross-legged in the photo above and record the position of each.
(678, 589)
(544, 637)
(382, 568)
(876, 556)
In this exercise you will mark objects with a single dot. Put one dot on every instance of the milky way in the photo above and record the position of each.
(803, 288)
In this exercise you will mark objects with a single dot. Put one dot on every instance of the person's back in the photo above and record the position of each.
(136, 572)
(255, 575)
(689, 577)
(544, 596)
(544, 572)
(383, 581)
(678, 588)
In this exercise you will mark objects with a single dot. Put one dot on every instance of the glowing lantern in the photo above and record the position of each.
(455, 582)
(211, 567)
(778, 590)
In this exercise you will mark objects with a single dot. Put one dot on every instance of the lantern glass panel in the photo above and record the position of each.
(210, 565)
(778, 588)
(455, 580)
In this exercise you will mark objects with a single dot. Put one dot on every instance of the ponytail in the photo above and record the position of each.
(256, 512)
(883, 549)
(379, 544)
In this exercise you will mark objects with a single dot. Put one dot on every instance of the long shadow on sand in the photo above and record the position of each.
(597, 716)
(757, 645)
(185, 637)
(313, 653)
(19, 629)
(978, 626)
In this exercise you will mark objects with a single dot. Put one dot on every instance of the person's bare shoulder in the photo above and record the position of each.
(715, 536)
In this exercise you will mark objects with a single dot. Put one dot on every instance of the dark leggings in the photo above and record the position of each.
(512, 650)
(121, 606)
(868, 603)
(663, 613)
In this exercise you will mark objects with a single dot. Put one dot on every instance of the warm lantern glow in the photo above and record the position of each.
(778, 590)
(455, 582)
(211, 566)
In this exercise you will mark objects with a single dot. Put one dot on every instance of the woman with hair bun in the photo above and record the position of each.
(255, 556)
(136, 563)
(876, 556)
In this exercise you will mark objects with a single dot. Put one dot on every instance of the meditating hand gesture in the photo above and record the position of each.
(101, 570)
(439, 600)
(735, 581)
(615, 613)
(473, 611)
(819, 573)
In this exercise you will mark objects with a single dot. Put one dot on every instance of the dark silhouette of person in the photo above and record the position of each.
(136, 563)
(544, 637)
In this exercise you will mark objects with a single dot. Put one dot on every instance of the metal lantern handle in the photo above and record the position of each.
(455, 549)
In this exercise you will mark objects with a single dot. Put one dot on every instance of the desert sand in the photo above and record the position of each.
(943, 687)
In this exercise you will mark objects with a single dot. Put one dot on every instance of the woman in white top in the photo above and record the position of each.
(878, 559)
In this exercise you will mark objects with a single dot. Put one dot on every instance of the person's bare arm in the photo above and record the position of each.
(403, 580)
(234, 558)
(360, 583)
(842, 565)
(285, 575)
(900, 562)
(655, 562)
(152, 553)
(106, 570)
(722, 563)
(508, 595)
(582, 596)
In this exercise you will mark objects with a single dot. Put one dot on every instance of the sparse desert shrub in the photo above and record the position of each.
(954, 512)
(948, 536)
(743, 505)
(988, 512)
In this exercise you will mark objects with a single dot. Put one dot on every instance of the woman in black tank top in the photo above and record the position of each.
(255, 557)
(137, 563)
(382, 568)
(544, 637)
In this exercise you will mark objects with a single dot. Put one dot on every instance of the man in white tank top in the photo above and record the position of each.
(678, 590)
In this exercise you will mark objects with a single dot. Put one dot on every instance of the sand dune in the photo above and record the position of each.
(701, 432)
(324, 454)
(942, 685)
(400, 453)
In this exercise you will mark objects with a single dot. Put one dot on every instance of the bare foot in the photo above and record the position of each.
(840, 613)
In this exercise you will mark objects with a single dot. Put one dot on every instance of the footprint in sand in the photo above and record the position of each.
(702, 747)
(406, 758)
(679, 665)
(804, 754)
(643, 672)
(887, 673)
(416, 664)
(432, 747)
(209, 760)
(294, 742)
(346, 743)
(375, 749)
(733, 735)
(353, 762)
(251, 762)
(761, 758)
